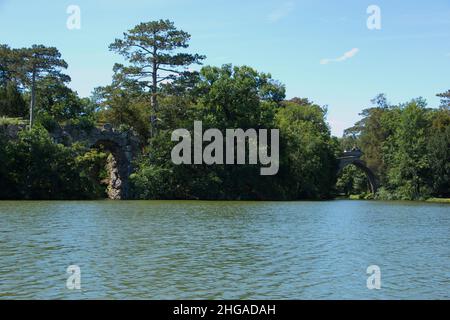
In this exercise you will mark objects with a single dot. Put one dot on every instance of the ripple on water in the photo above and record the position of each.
(224, 250)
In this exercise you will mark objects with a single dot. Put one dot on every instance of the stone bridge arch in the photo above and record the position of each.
(354, 157)
(118, 167)
(123, 147)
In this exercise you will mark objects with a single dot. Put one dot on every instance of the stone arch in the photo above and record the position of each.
(123, 146)
(118, 166)
(354, 158)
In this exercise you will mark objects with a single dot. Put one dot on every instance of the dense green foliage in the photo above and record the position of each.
(240, 97)
(406, 146)
(12, 103)
(352, 181)
(33, 167)
(32, 76)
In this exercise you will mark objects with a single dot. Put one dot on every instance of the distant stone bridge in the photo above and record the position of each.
(123, 146)
(354, 157)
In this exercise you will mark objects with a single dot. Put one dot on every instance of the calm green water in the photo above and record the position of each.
(224, 250)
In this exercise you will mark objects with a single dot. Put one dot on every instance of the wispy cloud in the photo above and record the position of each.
(345, 56)
(285, 9)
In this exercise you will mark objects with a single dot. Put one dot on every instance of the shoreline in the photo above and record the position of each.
(340, 198)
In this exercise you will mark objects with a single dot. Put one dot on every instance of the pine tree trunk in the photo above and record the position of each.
(154, 99)
(33, 98)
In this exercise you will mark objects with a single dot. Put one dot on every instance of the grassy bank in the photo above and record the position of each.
(439, 200)
(371, 197)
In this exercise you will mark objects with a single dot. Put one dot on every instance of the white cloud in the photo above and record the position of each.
(345, 56)
(285, 9)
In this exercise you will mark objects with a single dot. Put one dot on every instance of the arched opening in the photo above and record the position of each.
(372, 182)
(355, 178)
(116, 167)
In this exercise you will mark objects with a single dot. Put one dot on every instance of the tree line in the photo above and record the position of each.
(406, 145)
(156, 91)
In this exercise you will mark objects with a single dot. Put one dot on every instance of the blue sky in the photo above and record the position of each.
(409, 57)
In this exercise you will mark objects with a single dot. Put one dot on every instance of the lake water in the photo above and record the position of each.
(224, 250)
